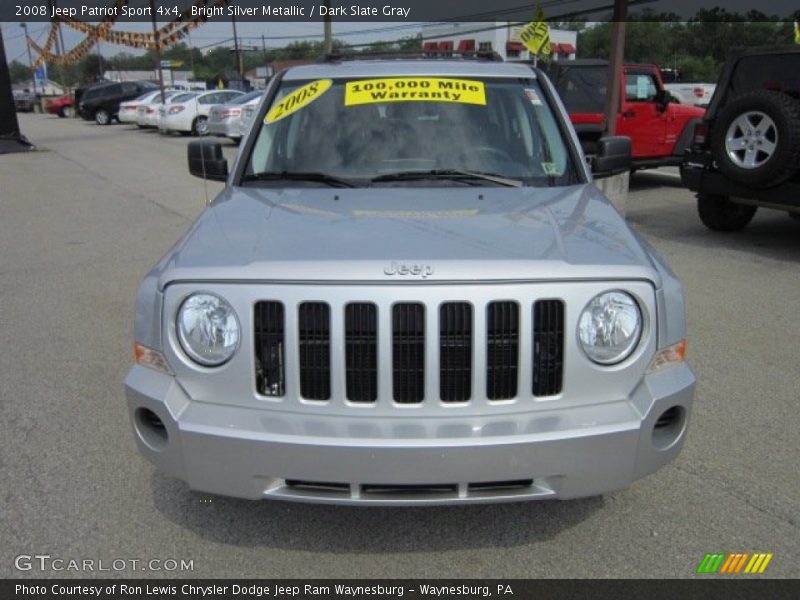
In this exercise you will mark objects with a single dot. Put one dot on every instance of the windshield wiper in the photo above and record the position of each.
(447, 174)
(299, 176)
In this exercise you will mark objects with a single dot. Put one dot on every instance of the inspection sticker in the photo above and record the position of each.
(294, 101)
(411, 89)
(533, 97)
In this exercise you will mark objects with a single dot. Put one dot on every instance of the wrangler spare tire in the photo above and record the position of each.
(756, 139)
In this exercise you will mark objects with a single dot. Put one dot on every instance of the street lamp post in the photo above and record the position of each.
(30, 58)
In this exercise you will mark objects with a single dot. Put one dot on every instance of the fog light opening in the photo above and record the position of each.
(668, 427)
(151, 429)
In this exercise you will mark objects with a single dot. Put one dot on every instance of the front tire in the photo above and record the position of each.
(102, 117)
(718, 213)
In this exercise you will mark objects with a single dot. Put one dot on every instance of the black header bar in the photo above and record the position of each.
(273, 11)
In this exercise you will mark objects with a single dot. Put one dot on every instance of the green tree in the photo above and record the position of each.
(18, 72)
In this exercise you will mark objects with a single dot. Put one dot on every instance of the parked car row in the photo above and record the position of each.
(217, 112)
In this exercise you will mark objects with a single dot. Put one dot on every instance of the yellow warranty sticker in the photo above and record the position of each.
(411, 89)
(294, 101)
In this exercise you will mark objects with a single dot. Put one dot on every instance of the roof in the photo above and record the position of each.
(405, 67)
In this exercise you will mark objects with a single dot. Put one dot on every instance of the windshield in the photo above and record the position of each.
(367, 131)
(177, 99)
(246, 97)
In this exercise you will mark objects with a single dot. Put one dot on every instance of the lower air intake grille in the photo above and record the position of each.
(408, 352)
(455, 352)
(269, 343)
(361, 352)
(548, 347)
(502, 350)
(314, 338)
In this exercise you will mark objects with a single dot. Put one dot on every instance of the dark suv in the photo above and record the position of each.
(746, 152)
(101, 101)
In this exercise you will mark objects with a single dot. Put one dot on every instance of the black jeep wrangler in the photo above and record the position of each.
(746, 152)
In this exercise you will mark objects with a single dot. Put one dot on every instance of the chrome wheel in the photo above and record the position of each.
(201, 126)
(751, 140)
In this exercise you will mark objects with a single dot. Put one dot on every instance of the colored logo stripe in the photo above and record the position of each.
(758, 563)
(734, 562)
(711, 563)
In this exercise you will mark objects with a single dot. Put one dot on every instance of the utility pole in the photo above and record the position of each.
(157, 43)
(264, 48)
(191, 52)
(239, 67)
(328, 28)
(616, 64)
(30, 58)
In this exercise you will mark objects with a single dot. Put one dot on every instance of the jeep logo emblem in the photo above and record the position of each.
(396, 268)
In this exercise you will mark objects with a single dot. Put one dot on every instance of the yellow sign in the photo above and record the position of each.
(294, 101)
(797, 32)
(414, 89)
(536, 36)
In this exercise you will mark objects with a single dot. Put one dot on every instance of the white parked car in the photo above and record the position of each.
(129, 110)
(225, 119)
(147, 112)
(191, 116)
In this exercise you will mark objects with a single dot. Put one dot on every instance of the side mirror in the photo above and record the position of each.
(662, 99)
(206, 160)
(613, 156)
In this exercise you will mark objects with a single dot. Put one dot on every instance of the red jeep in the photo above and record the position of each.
(660, 130)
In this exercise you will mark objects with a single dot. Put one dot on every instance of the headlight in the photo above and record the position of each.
(208, 329)
(610, 327)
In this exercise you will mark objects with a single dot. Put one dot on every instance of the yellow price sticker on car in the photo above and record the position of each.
(294, 101)
(414, 89)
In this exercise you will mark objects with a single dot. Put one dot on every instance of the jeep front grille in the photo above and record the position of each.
(361, 351)
(268, 325)
(340, 347)
(548, 347)
(408, 352)
(313, 332)
(502, 350)
(455, 351)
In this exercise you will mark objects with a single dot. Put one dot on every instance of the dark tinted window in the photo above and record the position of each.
(773, 71)
(583, 89)
(95, 92)
(130, 88)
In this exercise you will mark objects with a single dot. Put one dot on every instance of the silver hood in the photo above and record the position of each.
(454, 234)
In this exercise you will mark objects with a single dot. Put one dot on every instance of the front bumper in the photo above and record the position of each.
(264, 453)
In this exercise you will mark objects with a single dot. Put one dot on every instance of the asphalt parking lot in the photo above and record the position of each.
(83, 219)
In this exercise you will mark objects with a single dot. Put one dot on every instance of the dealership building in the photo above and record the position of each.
(497, 36)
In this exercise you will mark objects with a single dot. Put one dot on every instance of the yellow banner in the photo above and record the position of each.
(797, 32)
(414, 89)
(294, 101)
(536, 36)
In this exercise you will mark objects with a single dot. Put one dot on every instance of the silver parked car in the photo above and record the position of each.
(410, 292)
(224, 120)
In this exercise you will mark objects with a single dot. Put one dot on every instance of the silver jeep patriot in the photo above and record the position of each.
(410, 292)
